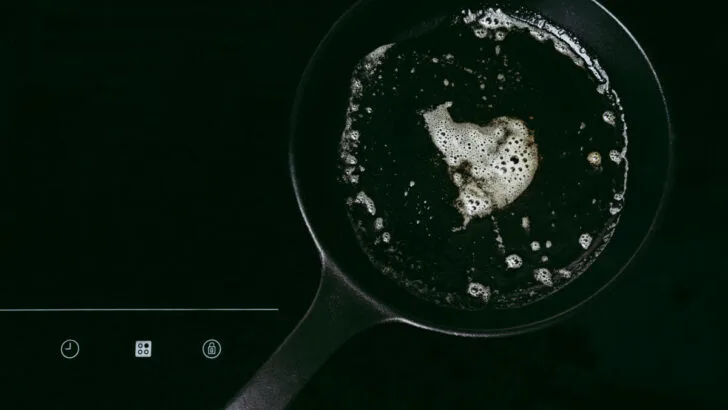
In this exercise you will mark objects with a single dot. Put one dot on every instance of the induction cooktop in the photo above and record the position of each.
(152, 255)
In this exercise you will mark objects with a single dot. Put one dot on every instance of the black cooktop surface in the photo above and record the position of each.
(144, 182)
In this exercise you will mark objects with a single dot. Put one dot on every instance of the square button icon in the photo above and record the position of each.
(143, 348)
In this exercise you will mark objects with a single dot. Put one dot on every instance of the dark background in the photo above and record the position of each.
(206, 91)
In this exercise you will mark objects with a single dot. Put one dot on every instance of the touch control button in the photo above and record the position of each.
(211, 349)
(70, 349)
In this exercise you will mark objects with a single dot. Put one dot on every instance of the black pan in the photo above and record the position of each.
(354, 294)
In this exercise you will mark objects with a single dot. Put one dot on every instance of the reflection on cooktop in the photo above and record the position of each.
(656, 339)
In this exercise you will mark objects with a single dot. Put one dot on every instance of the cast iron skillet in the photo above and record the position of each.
(352, 294)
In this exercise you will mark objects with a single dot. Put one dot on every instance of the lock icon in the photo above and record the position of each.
(211, 349)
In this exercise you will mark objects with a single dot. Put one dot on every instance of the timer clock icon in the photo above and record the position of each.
(69, 349)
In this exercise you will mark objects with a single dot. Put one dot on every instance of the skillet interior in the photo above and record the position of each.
(319, 117)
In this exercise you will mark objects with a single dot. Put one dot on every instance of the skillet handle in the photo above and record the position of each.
(337, 313)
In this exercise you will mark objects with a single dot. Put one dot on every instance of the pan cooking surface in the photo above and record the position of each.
(484, 162)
